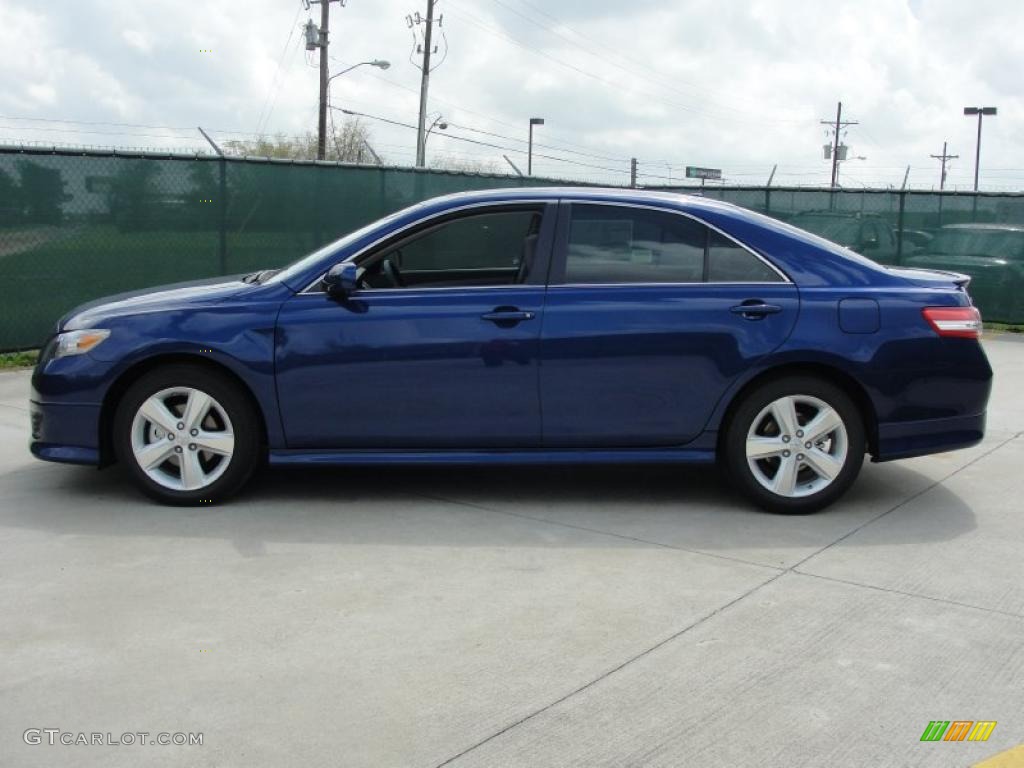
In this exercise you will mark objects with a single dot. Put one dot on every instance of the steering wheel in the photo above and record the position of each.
(391, 272)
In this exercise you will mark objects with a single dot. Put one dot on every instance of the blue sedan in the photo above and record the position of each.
(528, 326)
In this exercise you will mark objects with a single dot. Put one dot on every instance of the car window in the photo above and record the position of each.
(494, 248)
(619, 244)
(616, 244)
(729, 262)
(842, 230)
(979, 242)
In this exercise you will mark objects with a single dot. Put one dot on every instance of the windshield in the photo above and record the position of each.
(979, 242)
(838, 229)
(298, 267)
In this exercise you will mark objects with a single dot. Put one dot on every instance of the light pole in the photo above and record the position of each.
(438, 123)
(529, 155)
(980, 112)
(321, 143)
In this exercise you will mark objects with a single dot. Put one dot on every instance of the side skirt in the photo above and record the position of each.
(620, 456)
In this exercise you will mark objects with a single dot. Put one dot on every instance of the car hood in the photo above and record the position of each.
(158, 299)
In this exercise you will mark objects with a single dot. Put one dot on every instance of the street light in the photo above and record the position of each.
(529, 156)
(325, 87)
(842, 160)
(980, 112)
(438, 123)
(379, 63)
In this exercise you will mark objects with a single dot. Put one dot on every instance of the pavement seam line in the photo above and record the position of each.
(613, 670)
(780, 573)
(892, 591)
(673, 547)
(906, 501)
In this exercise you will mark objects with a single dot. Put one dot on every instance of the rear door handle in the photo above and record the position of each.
(507, 316)
(753, 309)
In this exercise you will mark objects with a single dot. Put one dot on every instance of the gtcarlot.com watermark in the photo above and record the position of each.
(56, 737)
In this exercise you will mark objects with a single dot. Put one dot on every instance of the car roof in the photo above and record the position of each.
(605, 194)
(836, 215)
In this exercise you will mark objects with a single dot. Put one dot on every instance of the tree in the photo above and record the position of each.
(350, 144)
(132, 194)
(465, 165)
(42, 193)
(10, 199)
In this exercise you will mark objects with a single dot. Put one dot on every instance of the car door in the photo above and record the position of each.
(650, 316)
(444, 358)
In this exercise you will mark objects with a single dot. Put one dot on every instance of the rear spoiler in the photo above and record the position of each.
(932, 276)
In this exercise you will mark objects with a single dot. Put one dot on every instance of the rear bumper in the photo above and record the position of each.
(65, 432)
(904, 439)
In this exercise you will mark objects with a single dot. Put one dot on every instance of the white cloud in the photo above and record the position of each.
(739, 84)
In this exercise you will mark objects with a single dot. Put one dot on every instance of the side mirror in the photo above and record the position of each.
(342, 280)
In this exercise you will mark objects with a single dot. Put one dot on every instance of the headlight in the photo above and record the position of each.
(79, 342)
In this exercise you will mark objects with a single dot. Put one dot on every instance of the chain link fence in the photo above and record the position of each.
(75, 226)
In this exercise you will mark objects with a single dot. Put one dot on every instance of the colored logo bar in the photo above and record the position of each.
(958, 730)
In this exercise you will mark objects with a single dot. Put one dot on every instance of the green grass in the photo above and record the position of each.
(18, 359)
(1005, 327)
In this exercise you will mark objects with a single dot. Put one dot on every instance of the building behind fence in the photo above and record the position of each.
(76, 226)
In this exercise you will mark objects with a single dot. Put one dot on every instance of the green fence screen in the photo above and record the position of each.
(75, 226)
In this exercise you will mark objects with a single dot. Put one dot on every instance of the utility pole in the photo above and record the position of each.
(427, 49)
(980, 112)
(632, 173)
(320, 41)
(944, 157)
(837, 128)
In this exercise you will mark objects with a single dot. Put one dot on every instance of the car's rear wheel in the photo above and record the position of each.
(796, 444)
(187, 434)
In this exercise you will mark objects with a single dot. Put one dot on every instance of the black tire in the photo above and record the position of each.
(248, 449)
(753, 403)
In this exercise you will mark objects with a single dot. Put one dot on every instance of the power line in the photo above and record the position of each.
(454, 137)
(475, 21)
(602, 55)
(274, 84)
(562, 146)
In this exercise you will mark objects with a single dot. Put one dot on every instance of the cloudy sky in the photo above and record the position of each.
(734, 84)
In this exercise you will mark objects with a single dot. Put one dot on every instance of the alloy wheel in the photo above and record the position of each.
(797, 446)
(182, 438)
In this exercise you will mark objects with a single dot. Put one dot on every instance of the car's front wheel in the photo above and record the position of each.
(796, 444)
(187, 434)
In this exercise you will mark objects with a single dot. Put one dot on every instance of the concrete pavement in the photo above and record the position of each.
(519, 617)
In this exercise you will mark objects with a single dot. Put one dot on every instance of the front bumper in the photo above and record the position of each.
(65, 432)
(905, 439)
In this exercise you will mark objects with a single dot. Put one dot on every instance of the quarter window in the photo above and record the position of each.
(729, 262)
(618, 244)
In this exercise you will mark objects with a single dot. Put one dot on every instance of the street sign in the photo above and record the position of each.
(693, 172)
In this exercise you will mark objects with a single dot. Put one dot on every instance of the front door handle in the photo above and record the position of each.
(508, 315)
(755, 309)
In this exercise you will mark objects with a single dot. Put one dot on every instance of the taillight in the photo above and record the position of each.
(957, 322)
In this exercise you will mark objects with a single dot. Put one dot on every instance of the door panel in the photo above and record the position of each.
(445, 357)
(638, 344)
(412, 368)
(645, 365)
